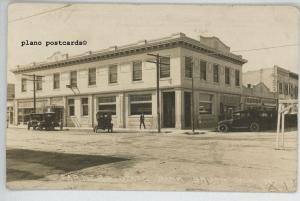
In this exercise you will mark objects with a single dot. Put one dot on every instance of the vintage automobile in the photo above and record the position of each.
(104, 121)
(253, 120)
(34, 120)
(47, 121)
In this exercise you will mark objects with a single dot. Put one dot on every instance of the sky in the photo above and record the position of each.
(106, 25)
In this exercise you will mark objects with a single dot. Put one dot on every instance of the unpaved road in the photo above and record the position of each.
(237, 161)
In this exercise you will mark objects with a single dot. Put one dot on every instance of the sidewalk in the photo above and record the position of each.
(132, 130)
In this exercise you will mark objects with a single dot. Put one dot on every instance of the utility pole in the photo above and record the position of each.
(193, 106)
(158, 63)
(34, 79)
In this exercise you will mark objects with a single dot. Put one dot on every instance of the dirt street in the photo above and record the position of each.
(239, 161)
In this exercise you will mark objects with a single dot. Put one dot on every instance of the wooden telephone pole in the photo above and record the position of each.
(158, 63)
(34, 80)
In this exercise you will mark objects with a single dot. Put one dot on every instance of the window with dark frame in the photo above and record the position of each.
(203, 67)
(227, 75)
(39, 81)
(141, 103)
(56, 81)
(164, 67)
(71, 107)
(85, 106)
(92, 76)
(188, 67)
(280, 88)
(216, 72)
(237, 78)
(205, 103)
(107, 103)
(286, 89)
(24, 84)
(137, 71)
(73, 78)
(113, 74)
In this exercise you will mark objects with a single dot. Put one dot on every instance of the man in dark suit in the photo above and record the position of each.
(142, 121)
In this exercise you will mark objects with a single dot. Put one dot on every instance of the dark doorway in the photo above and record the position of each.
(187, 109)
(169, 109)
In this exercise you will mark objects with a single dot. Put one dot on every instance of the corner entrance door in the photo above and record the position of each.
(169, 109)
(187, 109)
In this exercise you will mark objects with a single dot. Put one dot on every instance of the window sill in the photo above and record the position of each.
(138, 116)
(113, 84)
(58, 89)
(92, 86)
(137, 81)
(165, 78)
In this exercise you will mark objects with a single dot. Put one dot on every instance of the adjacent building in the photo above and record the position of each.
(120, 79)
(10, 104)
(258, 97)
(279, 80)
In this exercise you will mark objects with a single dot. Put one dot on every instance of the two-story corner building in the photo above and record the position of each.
(121, 80)
(279, 80)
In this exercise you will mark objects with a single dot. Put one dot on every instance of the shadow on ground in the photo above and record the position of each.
(29, 164)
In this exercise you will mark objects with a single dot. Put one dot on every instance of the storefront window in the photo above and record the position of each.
(205, 104)
(107, 103)
(141, 104)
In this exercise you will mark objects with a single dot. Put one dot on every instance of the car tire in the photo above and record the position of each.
(223, 128)
(254, 127)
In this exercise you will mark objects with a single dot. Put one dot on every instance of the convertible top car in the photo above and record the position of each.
(253, 120)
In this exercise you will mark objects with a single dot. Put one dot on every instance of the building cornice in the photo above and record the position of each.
(175, 40)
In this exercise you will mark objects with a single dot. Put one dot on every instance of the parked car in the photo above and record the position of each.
(47, 121)
(104, 121)
(34, 120)
(252, 120)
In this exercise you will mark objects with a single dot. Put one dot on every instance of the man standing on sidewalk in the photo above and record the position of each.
(142, 120)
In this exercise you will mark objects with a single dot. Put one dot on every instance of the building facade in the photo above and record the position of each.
(258, 97)
(120, 79)
(10, 104)
(279, 80)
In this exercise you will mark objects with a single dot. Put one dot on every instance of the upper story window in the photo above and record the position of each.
(296, 91)
(56, 80)
(113, 74)
(216, 73)
(188, 67)
(227, 75)
(24, 84)
(203, 65)
(39, 82)
(286, 89)
(280, 88)
(137, 70)
(164, 67)
(92, 76)
(237, 78)
(73, 78)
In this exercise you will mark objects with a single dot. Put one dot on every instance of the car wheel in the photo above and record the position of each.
(223, 128)
(254, 127)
